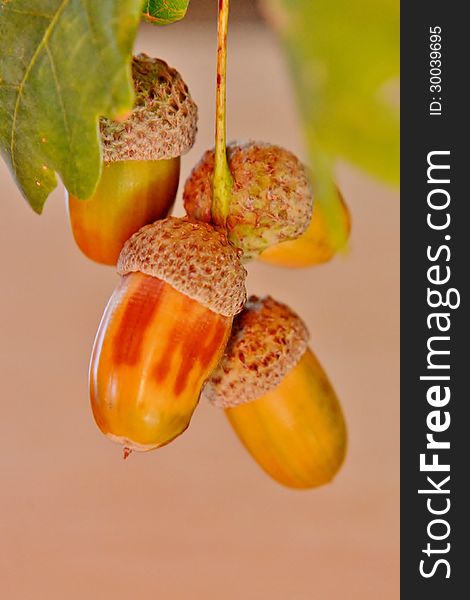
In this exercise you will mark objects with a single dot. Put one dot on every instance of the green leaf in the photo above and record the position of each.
(64, 63)
(344, 58)
(164, 12)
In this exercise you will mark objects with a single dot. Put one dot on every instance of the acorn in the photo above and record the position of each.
(141, 168)
(270, 201)
(315, 246)
(277, 397)
(164, 330)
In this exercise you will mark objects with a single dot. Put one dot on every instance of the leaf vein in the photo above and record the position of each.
(44, 40)
(28, 13)
(60, 98)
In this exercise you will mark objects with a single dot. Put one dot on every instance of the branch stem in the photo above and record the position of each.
(222, 179)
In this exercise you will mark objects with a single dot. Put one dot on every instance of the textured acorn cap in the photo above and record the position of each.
(163, 122)
(268, 340)
(193, 258)
(271, 196)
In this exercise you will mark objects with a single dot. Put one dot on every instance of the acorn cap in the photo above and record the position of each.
(163, 122)
(271, 199)
(268, 340)
(193, 258)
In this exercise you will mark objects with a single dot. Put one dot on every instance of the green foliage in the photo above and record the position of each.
(63, 64)
(344, 57)
(164, 12)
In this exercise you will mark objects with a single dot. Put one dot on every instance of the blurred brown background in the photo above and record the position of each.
(196, 519)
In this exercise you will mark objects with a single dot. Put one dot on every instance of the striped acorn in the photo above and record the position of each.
(278, 398)
(164, 331)
(141, 169)
(270, 201)
(313, 247)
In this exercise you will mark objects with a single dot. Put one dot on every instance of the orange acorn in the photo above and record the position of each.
(141, 168)
(278, 398)
(164, 331)
(313, 247)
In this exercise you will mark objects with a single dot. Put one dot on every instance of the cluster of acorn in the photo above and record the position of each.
(178, 323)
